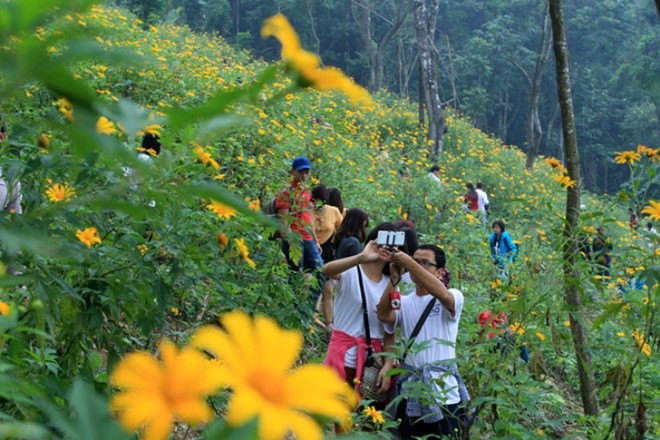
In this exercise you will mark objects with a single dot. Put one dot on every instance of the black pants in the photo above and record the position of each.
(448, 427)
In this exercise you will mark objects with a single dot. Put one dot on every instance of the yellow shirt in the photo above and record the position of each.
(326, 221)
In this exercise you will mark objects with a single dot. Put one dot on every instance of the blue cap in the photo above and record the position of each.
(301, 163)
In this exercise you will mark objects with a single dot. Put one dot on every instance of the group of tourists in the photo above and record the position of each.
(367, 290)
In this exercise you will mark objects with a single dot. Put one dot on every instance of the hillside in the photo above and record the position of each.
(167, 259)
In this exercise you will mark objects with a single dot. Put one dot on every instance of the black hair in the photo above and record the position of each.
(480, 185)
(151, 142)
(499, 223)
(438, 253)
(353, 225)
(334, 199)
(434, 168)
(320, 193)
(469, 186)
(410, 244)
(649, 225)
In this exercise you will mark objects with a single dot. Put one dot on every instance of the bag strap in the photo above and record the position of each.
(365, 316)
(418, 327)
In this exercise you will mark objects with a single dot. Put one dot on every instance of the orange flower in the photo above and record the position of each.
(627, 157)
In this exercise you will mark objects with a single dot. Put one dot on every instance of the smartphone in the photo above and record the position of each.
(390, 238)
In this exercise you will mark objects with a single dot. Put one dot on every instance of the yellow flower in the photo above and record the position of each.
(142, 248)
(155, 393)
(621, 334)
(88, 236)
(517, 328)
(255, 205)
(567, 323)
(376, 416)
(153, 129)
(646, 349)
(206, 158)
(4, 309)
(245, 253)
(65, 107)
(307, 64)
(495, 284)
(149, 151)
(554, 163)
(258, 356)
(222, 210)
(105, 126)
(540, 335)
(653, 210)
(627, 157)
(564, 180)
(60, 192)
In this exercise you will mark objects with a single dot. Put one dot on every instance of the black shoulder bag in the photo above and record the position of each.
(418, 327)
(373, 364)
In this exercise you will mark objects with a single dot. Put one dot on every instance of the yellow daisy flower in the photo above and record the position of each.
(564, 181)
(517, 327)
(258, 355)
(4, 309)
(627, 157)
(155, 393)
(222, 210)
(245, 253)
(60, 192)
(653, 210)
(88, 236)
(65, 107)
(105, 126)
(307, 64)
(206, 158)
(376, 416)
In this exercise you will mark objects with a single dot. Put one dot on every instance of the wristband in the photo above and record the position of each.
(395, 300)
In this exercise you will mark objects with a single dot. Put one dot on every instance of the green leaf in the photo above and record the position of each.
(23, 431)
(610, 310)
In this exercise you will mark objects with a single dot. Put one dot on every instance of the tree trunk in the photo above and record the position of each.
(534, 131)
(570, 248)
(362, 11)
(425, 21)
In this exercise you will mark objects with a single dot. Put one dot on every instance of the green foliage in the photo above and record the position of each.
(161, 268)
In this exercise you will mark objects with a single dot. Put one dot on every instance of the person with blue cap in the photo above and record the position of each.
(294, 208)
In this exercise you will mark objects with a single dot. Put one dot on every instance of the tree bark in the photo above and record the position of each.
(570, 248)
(425, 22)
(362, 11)
(534, 131)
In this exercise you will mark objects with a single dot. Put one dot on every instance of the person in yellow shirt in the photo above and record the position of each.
(326, 220)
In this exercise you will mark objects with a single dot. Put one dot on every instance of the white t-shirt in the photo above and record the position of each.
(436, 179)
(348, 308)
(483, 199)
(406, 286)
(440, 328)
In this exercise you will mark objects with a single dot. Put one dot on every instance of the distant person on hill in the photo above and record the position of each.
(352, 233)
(502, 249)
(434, 175)
(650, 229)
(471, 198)
(10, 192)
(326, 220)
(294, 208)
(484, 203)
(601, 248)
(633, 220)
(3, 129)
(334, 199)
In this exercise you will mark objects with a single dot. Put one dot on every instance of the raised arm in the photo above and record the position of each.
(425, 280)
(334, 269)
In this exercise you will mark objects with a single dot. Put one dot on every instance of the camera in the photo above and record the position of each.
(395, 300)
(390, 238)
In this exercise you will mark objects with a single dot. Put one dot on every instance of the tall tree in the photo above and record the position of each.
(534, 131)
(570, 248)
(363, 13)
(425, 22)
